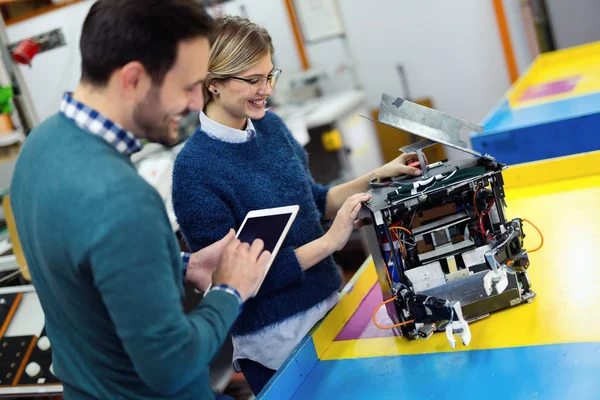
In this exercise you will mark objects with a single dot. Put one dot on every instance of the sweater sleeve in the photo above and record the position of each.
(132, 256)
(206, 214)
(319, 191)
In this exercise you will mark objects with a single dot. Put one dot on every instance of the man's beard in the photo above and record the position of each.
(151, 120)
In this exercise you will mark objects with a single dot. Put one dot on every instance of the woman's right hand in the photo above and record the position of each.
(337, 236)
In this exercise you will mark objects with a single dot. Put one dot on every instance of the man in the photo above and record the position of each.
(96, 236)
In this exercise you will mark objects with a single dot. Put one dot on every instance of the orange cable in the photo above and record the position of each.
(391, 326)
(399, 243)
(541, 236)
(393, 229)
(402, 228)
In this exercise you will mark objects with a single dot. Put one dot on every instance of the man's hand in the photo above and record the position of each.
(344, 223)
(242, 267)
(399, 166)
(203, 263)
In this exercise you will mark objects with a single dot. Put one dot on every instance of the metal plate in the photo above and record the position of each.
(427, 276)
(446, 251)
(442, 223)
(425, 122)
(472, 296)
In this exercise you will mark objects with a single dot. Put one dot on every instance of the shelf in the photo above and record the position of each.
(38, 12)
(8, 139)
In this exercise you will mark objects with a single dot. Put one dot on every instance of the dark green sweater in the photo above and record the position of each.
(107, 269)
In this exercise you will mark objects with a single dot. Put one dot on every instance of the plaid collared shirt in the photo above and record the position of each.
(97, 124)
(185, 258)
(227, 289)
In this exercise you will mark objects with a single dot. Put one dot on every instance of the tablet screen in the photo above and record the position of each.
(268, 228)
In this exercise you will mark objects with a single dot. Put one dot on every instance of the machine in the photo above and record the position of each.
(445, 251)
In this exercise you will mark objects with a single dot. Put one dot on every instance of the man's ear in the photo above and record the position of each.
(134, 81)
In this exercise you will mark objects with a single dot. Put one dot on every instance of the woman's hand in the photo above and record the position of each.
(337, 236)
(399, 166)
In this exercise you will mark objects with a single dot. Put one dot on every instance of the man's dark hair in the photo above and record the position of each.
(116, 32)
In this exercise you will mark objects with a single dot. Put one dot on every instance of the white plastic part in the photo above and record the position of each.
(495, 281)
(43, 343)
(33, 369)
(460, 327)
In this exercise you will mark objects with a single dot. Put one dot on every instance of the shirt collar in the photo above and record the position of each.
(226, 133)
(95, 123)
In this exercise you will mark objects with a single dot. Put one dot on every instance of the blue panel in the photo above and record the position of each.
(540, 132)
(292, 373)
(566, 371)
(504, 119)
(539, 142)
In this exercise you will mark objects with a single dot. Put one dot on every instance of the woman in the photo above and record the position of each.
(243, 158)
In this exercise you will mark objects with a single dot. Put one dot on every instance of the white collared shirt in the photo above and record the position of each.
(226, 133)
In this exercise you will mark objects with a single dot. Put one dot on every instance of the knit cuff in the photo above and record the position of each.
(320, 196)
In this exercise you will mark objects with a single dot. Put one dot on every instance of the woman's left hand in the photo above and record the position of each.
(399, 166)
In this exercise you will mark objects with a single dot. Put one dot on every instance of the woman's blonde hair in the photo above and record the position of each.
(238, 45)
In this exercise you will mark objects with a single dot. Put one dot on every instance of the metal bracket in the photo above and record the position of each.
(423, 164)
(418, 148)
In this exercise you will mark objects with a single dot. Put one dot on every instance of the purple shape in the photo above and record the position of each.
(550, 88)
(360, 325)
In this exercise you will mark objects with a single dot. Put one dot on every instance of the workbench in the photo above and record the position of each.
(548, 349)
(27, 321)
(553, 110)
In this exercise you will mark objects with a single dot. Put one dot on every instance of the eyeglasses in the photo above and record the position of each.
(259, 83)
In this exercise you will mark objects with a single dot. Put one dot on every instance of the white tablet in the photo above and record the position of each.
(271, 226)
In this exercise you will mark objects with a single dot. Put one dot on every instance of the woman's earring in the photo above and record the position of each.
(215, 90)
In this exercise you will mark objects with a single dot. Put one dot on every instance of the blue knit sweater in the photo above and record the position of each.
(215, 184)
